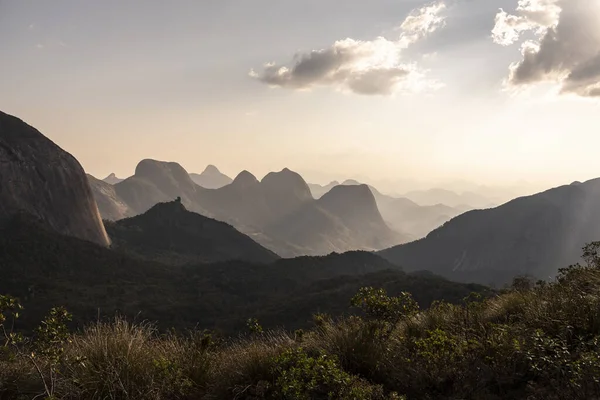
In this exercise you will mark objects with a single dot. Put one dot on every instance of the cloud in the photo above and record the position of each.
(422, 22)
(565, 48)
(373, 67)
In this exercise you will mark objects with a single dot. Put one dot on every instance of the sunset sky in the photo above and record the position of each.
(488, 91)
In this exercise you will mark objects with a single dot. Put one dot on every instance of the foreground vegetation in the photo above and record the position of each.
(534, 341)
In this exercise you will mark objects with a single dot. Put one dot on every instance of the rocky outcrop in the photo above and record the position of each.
(112, 179)
(39, 178)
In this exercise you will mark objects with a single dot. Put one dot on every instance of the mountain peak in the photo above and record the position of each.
(353, 199)
(245, 178)
(211, 170)
(211, 178)
(112, 179)
(174, 206)
(287, 181)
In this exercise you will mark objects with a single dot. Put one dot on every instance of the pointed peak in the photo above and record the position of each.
(112, 179)
(211, 169)
(245, 178)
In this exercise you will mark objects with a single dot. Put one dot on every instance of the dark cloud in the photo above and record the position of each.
(567, 46)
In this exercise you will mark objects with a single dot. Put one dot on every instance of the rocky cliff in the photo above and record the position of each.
(39, 178)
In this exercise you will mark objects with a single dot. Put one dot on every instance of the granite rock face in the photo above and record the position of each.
(39, 178)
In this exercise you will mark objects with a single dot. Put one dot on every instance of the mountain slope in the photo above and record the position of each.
(533, 235)
(46, 269)
(109, 203)
(38, 177)
(211, 178)
(319, 190)
(112, 179)
(170, 234)
(413, 220)
(432, 197)
(345, 218)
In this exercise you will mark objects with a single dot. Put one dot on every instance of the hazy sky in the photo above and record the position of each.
(402, 89)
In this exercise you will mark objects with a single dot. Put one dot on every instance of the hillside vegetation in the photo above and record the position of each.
(537, 341)
(170, 234)
(45, 269)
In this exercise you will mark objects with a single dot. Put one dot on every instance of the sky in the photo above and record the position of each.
(400, 93)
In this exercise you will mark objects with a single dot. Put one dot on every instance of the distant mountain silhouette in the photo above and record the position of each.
(344, 218)
(407, 216)
(411, 219)
(319, 190)
(39, 178)
(211, 178)
(170, 234)
(532, 235)
(110, 205)
(278, 212)
(433, 197)
(112, 179)
(158, 182)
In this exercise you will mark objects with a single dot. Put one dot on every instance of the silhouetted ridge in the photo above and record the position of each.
(211, 178)
(211, 169)
(155, 170)
(156, 182)
(171, 234)
(533, 235)
(285, 192)
(347, 201)
(244, 179)
(112, 179)
(39, 178)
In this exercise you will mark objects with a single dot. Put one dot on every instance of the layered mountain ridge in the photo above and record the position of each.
(533, 235)
(278, 211)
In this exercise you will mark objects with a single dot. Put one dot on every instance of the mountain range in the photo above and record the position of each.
(163, 265)
(533, 235)
(278, 211)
